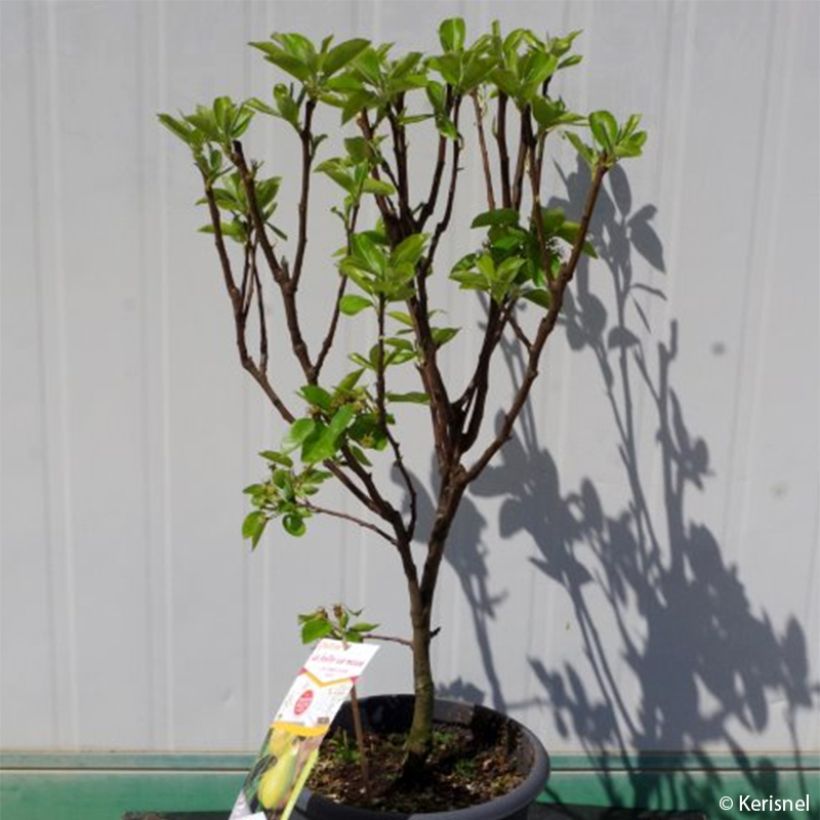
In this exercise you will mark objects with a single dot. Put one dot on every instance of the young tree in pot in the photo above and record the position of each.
(528, 254)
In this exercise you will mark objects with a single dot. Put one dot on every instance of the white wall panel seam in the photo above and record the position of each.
(756, 295)
(58, 406)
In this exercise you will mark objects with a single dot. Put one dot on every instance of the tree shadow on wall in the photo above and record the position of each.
(704, 659)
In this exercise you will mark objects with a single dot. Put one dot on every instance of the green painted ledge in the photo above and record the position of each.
(103, 786)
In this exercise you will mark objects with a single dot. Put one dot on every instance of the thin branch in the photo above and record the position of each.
(306, 137)
(244, 293)
(360, 521)
(380, 381)
(503, 153)
(521, 159)
(331, 331)
(263, 325)
(372, 636)
(408, 483)
(400, 153)
(236, 303)
(545, 327)
(278, 271)
(441, 227)
(327, 343)
(384, 203)
(432, 198)
(485, 157)
(519, 333)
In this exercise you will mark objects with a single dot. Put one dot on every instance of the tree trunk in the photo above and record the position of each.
(420, 737)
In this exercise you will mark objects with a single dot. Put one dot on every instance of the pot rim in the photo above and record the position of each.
(312, 804)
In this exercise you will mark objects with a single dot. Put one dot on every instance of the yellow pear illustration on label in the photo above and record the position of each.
(279, 742)
(274, 785)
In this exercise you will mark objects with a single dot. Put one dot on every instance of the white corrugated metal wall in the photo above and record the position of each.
(638, 571)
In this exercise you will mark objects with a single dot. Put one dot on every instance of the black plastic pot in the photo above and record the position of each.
(393, 713)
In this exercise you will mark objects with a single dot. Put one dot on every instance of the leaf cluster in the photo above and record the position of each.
(339, 622)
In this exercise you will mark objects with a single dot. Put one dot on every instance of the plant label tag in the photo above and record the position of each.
(291, 745)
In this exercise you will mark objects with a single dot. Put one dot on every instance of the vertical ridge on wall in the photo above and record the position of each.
(755, 299)
(56, 374)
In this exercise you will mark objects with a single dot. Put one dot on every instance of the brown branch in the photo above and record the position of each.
(454, 482)
(441, 227)
(306, 138)
(372, 636)
(360, 521)
(400, 153)
(429, 206)
(503, 153)
(432, 198)
(372, 498)
(408, 482)
(244, 293)
(521, 159)
(380, 368)
(478, 389)
(327, 343)
(278, 271)
(485, 157)
(545, 328)
(384, 203)
(519, 333)
(263, 325)
(236, 303)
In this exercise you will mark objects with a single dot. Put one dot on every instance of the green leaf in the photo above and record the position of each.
(276, 458)
(294, 524)
(349, 381)
(449, 66)
(287, 62)
(630, 125)
(363, 627)
(177, 127)
(447, 128)
(399, 316)
(352, 304)
(359, 455)
(569, 231)
(254, 525)
(469, 281)
(317, 396)
(496, 217)
(604, 128)
(631, 146)
(451, 34)
(342, 419)
(538, 296)
(572, 60)
(299, 431)
(314, 629)
(436, 95)
(581, 147)
(261, 106)
(378, 187)
(412, 397)
(366, 250)
(552, 219)
(409, 250)
(442, 335)
(339, 56)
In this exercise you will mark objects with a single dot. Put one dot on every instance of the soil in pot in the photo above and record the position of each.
(466, 768)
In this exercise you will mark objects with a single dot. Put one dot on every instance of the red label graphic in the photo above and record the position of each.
(305, 699)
